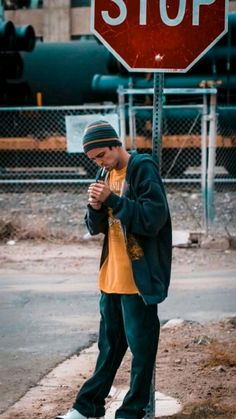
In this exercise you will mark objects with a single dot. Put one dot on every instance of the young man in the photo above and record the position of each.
(131, 209)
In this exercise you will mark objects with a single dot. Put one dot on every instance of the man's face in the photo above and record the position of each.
(105, 157)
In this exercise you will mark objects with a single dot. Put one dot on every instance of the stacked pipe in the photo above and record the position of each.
(13, 41)
(78, 72)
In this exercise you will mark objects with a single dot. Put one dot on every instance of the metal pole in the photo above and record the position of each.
(121, 98)
(150, 410)
(211, 161)
(157, 117)
(156, 153)
(131, 119)
(204, 163)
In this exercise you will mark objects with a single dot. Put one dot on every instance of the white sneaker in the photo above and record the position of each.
(72, 414)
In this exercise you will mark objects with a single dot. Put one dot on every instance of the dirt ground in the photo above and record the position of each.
(196, 362)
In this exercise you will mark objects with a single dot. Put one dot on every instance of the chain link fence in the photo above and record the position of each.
(43, 187)
(225, 172)
(198, 161)
(226, 144)
(33, 147)
(181, 140)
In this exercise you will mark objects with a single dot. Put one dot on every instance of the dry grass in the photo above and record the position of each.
(222, 356)
(9, 230)
(219, 356)
(206, 410)
(23, 230)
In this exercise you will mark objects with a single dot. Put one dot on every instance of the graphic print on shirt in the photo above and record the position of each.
(116, 275)
(115, 224)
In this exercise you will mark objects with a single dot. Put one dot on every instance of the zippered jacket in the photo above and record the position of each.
(145, 217)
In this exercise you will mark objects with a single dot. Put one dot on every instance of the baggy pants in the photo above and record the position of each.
(126, 321)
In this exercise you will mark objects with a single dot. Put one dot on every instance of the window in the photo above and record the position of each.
(80, 3)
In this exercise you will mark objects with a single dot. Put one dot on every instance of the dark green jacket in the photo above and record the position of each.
(144, 214)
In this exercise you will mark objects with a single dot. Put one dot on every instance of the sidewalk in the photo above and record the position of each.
(65, 375)
(164, 405)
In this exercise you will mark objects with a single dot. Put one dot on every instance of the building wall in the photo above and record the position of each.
(57, 21)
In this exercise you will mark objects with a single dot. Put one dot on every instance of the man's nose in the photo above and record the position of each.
(98, 161)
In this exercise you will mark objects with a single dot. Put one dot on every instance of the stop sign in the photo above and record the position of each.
(159, 35)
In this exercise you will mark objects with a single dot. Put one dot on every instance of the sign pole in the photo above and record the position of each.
(211, 160)
(157, 117)
(150, 409)
(156, 153)
(204, 150)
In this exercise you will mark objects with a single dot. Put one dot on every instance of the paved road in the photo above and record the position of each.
(201, 296)
(47, 317)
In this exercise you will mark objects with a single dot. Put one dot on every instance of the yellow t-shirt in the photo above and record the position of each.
(116, 274)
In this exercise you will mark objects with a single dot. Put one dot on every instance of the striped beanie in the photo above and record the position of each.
(100, 134)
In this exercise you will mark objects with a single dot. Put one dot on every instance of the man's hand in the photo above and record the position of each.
(94, 203)
(99, 191)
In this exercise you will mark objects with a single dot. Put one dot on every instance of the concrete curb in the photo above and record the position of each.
(67, 376)
(164, 405)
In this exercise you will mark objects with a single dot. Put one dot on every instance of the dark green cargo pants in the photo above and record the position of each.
(125, 321)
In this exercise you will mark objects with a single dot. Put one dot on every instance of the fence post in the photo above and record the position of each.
(204, 162)
(121, 99)
(157, 117)
(131, 117)
(211, 161)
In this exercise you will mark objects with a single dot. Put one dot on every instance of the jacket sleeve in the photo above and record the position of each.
(96, 220)
(146, 210)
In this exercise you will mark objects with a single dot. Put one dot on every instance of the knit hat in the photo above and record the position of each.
(100, 134)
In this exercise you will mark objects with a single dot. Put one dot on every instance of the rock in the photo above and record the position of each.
(11, 242)
(194, 196)
(220, 368)
(180, 238)
(87, 237)
(217, 243)
(195, 238)
(202, 340)
(231, 321)
(173, 323)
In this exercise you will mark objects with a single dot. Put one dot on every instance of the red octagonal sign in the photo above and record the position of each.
(159, 35)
